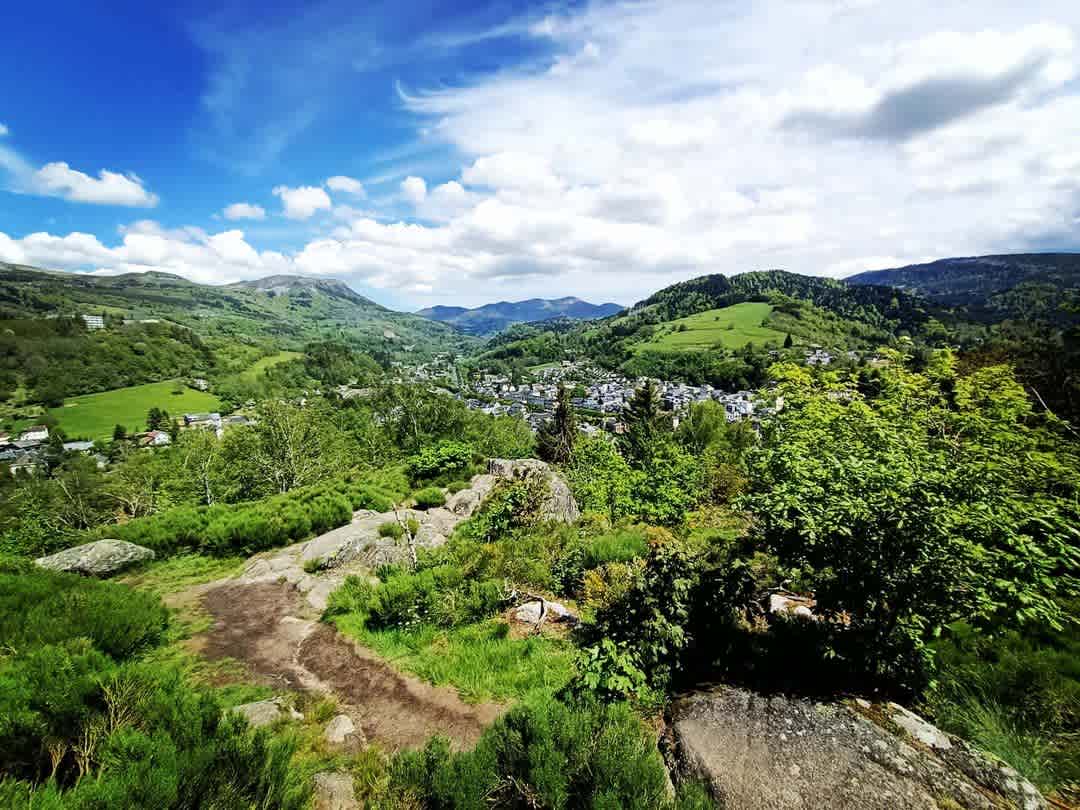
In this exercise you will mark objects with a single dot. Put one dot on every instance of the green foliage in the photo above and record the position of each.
(83, 724)
(96, 416)
(542, 753)
(391, 529)
(946, 499)
(447, 458)
(602, 480)
(247, 528)
(611, 672)
(556, 439)
(440, 595)
(511, 505)
(454, 487)
(429, 498)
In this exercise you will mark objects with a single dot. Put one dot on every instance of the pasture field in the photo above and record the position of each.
(731, 327)
(93, 416)
(261, 365)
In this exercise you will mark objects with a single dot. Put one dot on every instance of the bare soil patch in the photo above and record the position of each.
(270, 628)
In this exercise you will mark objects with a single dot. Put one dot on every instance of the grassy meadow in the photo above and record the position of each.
(93, 416)
(731, 327)
(261, 365)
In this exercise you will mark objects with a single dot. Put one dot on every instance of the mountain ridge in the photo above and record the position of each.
(490, 319)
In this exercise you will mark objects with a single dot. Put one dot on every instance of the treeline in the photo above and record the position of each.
(58, 357)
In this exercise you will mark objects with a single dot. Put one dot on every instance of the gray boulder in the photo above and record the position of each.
(333, 790)
(559, 505)
(759, 752)
(531, 613)
(100, 558)
(265, 712)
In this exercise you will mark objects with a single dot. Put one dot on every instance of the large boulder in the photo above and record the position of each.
(266, 712)
(761, 752)
(333, 790)
(99, 559)
(559, 505)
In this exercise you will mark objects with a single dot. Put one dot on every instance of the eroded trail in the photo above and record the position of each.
(270, 627)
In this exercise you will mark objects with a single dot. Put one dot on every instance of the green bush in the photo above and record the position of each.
(251, 527)
(542, 753)
(391, 529)
(454, 487)
(440, 460)
(429, 498)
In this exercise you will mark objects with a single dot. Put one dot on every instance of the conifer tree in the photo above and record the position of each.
(555, 441)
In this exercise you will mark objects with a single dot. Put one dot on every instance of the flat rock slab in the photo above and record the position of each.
(100, 558)
(761, 752)
(265, 712)
(333, 790)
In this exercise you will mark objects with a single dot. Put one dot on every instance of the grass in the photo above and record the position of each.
(93, 416)
(256, 370)
(731, 327)
(480, 660)
(167, 577)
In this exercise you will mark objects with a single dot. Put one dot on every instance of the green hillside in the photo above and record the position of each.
(95, 415)
(290, 310)
(730, 328)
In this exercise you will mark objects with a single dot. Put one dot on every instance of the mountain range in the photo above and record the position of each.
(493, 318)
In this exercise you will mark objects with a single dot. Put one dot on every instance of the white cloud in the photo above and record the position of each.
(3, 130)
(414, 189)
(58, 179)
(302, 202)
(243, 210)
(824, 137)
(346, 185)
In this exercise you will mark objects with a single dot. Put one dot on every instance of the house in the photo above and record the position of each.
(78, 447)
(203, 421)
(94, 322)
(37, 433)
(5, 438)
(155, 438)
(237, 420)
(27, 464)
(199, 384)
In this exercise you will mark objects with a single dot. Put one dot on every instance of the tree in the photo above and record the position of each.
(158, 419)
(642, 419)
(601, 479)
(119, 433)
(944, 498)
(788, 342)
(555, 441)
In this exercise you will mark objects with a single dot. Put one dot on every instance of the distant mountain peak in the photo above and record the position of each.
(492, 318)
(292, 284)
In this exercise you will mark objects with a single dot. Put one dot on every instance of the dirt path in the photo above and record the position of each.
(272, 629)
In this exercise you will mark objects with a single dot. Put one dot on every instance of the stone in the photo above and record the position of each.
(530, 612)
(342, 730)
(333, 790)
(265, 712)
(768, 751)
(559, 505)
(100, 558)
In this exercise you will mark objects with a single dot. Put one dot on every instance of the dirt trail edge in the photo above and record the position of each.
(272, 630)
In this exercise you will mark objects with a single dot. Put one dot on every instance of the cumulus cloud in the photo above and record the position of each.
(243, 210)
(3, 130)
(823, 138)
(414, 189)
(302, 202)
(346, 185)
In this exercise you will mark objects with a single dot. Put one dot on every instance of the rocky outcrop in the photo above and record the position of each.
(317, 567)
(101, 558)
(558, 505)
(763, 752)
(534, 611)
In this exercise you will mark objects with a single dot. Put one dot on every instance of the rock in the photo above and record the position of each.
(341, 731)
(759, 752)
(559, 506)
(265, 712)
(333, 790)
(530, 612)
(100, 558)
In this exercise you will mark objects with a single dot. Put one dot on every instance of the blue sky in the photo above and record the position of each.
(452, 152)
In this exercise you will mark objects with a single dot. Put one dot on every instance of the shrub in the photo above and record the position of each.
(454, 487)
(391, 529)
(429, 498)
(439, 460)
(542, 753)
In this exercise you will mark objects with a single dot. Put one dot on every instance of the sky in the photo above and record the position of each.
(435, 152)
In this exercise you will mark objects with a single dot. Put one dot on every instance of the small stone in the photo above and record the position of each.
(339, 728)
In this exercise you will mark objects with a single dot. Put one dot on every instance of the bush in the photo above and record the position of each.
(251, 527)
(542, 753)
(440, 460)
(454, 487)
(429, 498)
(391, 529)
